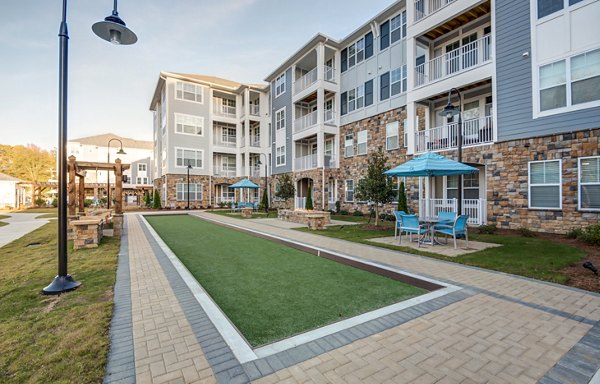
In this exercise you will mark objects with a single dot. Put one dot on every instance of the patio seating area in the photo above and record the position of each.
(427, 229)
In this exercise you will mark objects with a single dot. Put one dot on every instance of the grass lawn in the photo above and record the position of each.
(2, 217)
(526, 256)
(237, 214)
(268, 290)
(54, 339)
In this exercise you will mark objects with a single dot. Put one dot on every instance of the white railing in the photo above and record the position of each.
(224, 171)
(304, 122)
(475, 208)
(253, 171)
(330, 161)
(329, 73)
(474, 132)
(225, 141)
(305, 81)
(300, 203)
(468, 56)
(255, 110)
(223, 110)
(224, 199)
(329, 115)
(255, 141)
(424, 8)
(305, 162)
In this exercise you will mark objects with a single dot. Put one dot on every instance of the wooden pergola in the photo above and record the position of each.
(76, 169)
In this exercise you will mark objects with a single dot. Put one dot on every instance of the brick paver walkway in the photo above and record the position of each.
(506, 329)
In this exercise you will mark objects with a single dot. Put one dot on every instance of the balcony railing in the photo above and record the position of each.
(304, 122)
(253, 171)
(225, 141)
(255, 110)
(329, 73)
(424, 8)
(224, 171)
(255, 141)
(329, 115)
(305, 81)
(474, 132)
(224, 110)
(468, 56)
(305, 162)
(475, 208)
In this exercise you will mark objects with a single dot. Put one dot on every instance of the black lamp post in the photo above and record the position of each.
(120, 152)
(189, 166)
(449, 111)
(266, 180)
(114, 30)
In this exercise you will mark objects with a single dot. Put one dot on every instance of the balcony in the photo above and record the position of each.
(254, 110)
(305, 162)
(253, 171)
(311, 77)
(225, 141)
(329, 116)
(304, 122)
(223, 110)
(459, 60)
(255, 141)
(424, 8)
(474, 132)
(225, 171)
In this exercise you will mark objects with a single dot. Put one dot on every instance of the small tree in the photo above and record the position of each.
(309, 203)
(147, 200)
(264, 202)
(375, 186)
(402, 201)
(286, 188)
(156, 200)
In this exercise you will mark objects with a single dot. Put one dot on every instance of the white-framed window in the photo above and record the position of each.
(545, 184)
(142, 167)
(195, 192)
(548, 7)
(349, 145)
(349, 196)
(356, 98)
(391, 135)
(589, 183)
(280, 85)
(361, 142)
(570, 83)
(398, 81)
(280, 156)
(356, 52)
(141, 180)
(185, 156)
(280, 119)
(405, 130)
(189, 124)
(398, 27)
(189, 92)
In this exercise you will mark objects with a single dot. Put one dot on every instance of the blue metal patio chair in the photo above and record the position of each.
(446, 218)
(410, 224)
(457, 228)
(398, 216)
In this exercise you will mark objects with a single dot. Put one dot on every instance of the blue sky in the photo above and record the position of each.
(110, 86)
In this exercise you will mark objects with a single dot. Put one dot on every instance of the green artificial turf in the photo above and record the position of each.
(268, 290)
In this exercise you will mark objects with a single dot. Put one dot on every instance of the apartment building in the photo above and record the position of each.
(213, 128)
(528, 75)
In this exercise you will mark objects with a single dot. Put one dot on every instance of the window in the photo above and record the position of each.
(189, 125)
(384, 39)
(280, 119)
(141, 167)
(349, 191)
(452, 187)
(349, 145)
(391, 136)
(585, 77)
(280, 155)
(546, 7)
(405, 130)
(471, 186)
(195, 192)
(142, 180)
(398, 27)
(188, 156)
(553, 89)
(357, 52)
(384, 83)
(188, 92)
(280, 85)
(589, 183)
(361, 145)
(398, 80)
(545, 184)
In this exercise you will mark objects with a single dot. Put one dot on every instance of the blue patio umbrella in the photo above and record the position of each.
(244, 183)
(431, 164)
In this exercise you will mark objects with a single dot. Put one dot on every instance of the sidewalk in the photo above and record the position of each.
(498, 328)
(19, 224)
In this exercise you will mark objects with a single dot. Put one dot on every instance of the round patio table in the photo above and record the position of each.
(429, 236)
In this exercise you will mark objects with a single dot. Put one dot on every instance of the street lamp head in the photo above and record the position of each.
(121, 152)
(449, 110)
(113, 29)
(189, 166)
(259, 162)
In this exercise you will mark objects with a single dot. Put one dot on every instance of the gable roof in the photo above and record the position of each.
(5, 177)
(102, 141)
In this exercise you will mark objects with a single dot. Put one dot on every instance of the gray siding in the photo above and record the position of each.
(514, 81)
(284, 100)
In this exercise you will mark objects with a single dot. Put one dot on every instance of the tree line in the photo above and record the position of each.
(27, 163)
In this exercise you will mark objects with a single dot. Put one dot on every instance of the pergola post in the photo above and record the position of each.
(118, 187)
(81, 194)
(71, 186)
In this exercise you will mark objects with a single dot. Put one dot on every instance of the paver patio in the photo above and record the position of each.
(499, 328)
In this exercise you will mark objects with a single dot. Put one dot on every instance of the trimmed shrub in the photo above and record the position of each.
(591, 234)
(358, 213)
(156, 200)
(338, 206)
(487, 229)
(55, 202)
(526, 232)
(574, 233)
(343, 212)
(309, 202)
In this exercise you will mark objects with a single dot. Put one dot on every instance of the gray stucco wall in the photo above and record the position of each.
(284, 100)
(514, 81)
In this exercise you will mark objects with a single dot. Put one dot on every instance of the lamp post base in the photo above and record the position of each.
(61, 284)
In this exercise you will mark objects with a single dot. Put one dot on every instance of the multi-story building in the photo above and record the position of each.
(105, 147)
(524, 76)
(219, 128)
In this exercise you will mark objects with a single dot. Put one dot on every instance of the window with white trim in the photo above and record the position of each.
(195, 192)
(361, 142)
(398, 81)
(142, 180)
(398, 27)
(142, 167)
(185, 156)
(280, 85)
(356, 98)
(349, 196)
(189, 92)
(548, 7)
(356, 52)
(405, 130)
(189, 124)
(589, 183)
(280, 155)
(349, 145)
(391, 135)
(545, 184)
(280, 119)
